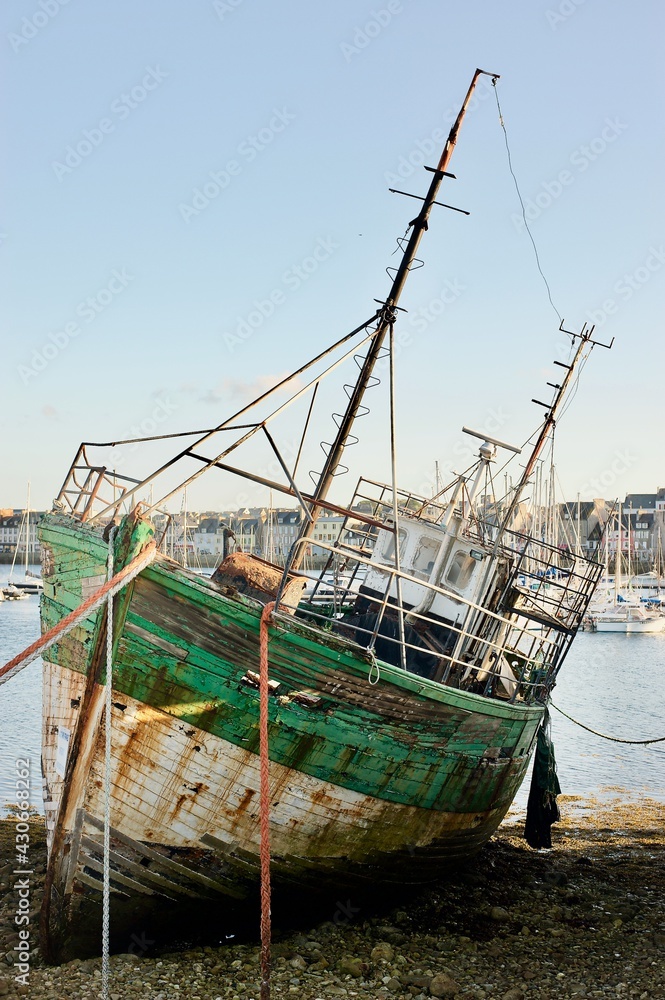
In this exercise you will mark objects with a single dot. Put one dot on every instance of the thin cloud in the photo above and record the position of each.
(241, 390)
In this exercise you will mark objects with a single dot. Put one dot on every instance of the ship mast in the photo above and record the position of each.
(385, 321)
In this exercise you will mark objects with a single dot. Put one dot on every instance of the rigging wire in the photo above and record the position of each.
(519, 195)
(512, 458)
(575, 386)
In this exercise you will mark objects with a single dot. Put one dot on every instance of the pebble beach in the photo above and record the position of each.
(586, 919)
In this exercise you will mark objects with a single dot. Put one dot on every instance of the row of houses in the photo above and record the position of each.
(259, 530)
(584, 525)
(635, 527)
(13, 534)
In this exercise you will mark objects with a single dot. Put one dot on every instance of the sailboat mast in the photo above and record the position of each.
(386, 318)
(617, 566)
(629, 570)
(27, 532)
(184, 529)
(579, 528)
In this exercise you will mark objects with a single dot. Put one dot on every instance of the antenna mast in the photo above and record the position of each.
(584, 337)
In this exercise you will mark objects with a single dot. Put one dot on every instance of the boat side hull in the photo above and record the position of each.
(371, 783)
(185, 825)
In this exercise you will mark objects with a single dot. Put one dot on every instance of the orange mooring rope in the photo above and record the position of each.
(66, 624)
(264, 802)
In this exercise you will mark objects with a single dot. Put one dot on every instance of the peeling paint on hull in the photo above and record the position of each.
(384, 783)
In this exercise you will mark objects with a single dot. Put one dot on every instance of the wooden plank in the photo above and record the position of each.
(152, 639)
(168, 863)
(172, 888)
(87, 862)
(96, 884)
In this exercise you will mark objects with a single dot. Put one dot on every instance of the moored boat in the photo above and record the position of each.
(29, 584)
(13, 593)
(628, 618)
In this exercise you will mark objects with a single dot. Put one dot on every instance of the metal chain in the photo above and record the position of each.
(106, 887)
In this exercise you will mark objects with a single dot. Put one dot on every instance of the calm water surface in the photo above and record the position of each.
(613, 683)
(20, 697)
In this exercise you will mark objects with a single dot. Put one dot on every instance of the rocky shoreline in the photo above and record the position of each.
(584, 920)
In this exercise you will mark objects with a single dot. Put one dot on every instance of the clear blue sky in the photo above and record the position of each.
(123, 291)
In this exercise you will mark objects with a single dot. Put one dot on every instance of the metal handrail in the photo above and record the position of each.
(545, 644)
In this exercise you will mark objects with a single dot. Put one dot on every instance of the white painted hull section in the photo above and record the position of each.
(61, 696)
(630, 627)
(173, 784)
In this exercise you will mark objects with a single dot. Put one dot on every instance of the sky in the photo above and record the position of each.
(196, 202)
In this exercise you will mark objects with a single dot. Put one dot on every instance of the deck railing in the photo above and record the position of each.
(88, 487)
(505, 653)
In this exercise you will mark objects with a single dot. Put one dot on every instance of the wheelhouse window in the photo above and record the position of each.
(426, 555)
(461, 570)
(388, 555)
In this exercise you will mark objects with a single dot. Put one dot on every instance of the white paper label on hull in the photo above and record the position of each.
(61, 752)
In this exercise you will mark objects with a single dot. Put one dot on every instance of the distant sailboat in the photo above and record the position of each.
(628, 618)
(625, 615)
(30, 584)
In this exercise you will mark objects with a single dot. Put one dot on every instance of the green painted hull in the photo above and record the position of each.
(386, 781)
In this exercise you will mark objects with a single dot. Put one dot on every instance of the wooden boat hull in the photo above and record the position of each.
(372, 783)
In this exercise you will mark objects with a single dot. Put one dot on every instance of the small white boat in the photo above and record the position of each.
(331, 589)
(12, 593)
(30, 585)
(627, 618)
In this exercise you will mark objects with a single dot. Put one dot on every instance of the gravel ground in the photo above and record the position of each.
(586, 919)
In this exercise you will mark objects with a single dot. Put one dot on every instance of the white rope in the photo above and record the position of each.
(374, 667)
(106, 888)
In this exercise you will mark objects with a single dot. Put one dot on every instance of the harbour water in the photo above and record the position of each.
(611, 683)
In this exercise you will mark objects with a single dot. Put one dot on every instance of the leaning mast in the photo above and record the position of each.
(386, 318)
